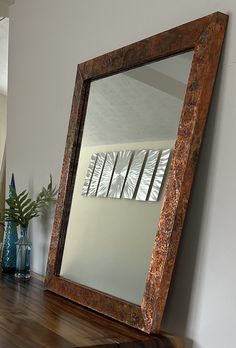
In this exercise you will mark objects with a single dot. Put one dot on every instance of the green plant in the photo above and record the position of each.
(21, 208)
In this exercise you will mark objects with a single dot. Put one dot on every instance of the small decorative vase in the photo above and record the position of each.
(9, 246)
(23, 250)
(9, 249)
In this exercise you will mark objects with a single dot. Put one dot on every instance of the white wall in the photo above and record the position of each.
(3, 124)
(3, 130)
(4, 8)
(47, 40)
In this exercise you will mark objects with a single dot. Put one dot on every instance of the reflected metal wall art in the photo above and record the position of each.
(107, 174)
(156, 187)
(93, 186)
(134, 174)
(147, 175)
(127, 174)
(120, 172)
(89, 174)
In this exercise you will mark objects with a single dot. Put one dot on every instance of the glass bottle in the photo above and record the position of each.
(23, 251)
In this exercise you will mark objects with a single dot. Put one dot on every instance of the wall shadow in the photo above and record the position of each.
(46, 222)
(41, 225)
(177, 310)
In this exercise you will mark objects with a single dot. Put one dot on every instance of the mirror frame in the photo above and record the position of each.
(205, 37)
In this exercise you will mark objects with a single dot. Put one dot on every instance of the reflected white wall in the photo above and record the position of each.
(109, 241)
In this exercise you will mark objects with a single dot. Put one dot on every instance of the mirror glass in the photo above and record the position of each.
(130, 130)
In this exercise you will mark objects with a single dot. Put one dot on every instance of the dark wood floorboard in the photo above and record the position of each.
(31, 317)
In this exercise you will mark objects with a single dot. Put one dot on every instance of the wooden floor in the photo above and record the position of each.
(31, 317)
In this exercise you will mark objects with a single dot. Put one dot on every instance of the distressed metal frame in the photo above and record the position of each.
(205, 37)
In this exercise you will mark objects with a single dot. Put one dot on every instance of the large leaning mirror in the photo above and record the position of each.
(135, 130)
(130, 131)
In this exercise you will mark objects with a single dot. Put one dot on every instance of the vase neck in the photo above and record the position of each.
(24, 231)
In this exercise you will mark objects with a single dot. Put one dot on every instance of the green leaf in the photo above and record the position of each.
(21, 209)
(23, 198)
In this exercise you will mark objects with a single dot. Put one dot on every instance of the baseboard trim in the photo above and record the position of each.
(37, 276)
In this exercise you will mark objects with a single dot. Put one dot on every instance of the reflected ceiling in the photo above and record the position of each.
(119, 102)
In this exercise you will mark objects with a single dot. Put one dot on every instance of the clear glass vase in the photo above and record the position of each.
(23, 251)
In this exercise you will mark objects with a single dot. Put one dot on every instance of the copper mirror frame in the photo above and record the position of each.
(205, 37)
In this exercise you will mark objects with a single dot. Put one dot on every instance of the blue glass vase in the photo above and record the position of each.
(9, 248)
(23, 251)
(9, 245)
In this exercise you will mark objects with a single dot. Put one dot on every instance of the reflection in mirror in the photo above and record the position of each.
(130, 130)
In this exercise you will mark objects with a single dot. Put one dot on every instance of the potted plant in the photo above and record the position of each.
(21, 209)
